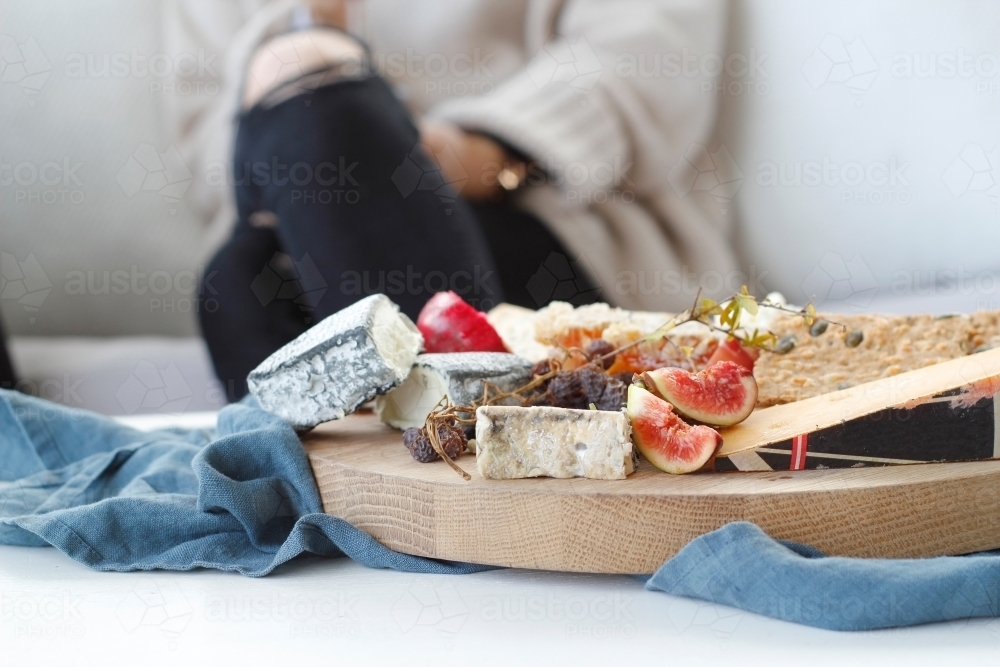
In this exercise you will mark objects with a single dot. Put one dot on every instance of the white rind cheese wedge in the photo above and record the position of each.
(457, 375)
(515, 442)
(347, 359)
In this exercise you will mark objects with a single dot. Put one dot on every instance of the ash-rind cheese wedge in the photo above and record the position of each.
(514, 442)
(457, 375)
(347, 359)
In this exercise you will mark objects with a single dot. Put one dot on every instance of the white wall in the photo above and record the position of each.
(879, 239)
(87, 218)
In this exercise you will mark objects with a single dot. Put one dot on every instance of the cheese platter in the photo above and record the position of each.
(367, 477)
(593, 439)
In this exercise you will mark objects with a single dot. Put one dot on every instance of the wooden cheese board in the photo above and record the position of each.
(632, 526)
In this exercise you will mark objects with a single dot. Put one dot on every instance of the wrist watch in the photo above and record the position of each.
(513, 176)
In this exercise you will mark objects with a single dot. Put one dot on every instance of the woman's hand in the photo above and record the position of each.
(329, 12)
(469, 162)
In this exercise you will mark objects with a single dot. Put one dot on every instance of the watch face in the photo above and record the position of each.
(508, 179)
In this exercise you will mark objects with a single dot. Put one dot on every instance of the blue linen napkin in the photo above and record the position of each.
(115, 498)
(243, 499)
(740, 566)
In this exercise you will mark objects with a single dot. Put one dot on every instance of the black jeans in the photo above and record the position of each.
(336, 200)
(7, 378)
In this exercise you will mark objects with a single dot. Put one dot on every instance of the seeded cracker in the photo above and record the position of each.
(892, 344)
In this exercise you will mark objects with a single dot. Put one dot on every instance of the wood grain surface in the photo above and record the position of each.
(367, 477)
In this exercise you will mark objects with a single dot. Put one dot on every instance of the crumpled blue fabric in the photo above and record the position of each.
(242, 498)
(740, 566)
(115, 498)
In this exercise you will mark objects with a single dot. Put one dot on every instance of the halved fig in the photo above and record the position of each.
(664, 438)
(732, 350)
(721, 395)
(449, 324)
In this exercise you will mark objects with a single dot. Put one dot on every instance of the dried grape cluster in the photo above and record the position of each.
(451, 437)
(582, 387)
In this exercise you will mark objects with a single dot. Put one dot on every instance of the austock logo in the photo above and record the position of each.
(431, 607)
(23, 64)
(454, 74)
(603, 616)
(837, 62)
(974, 170)
(713, 172)
(834, 280)
(418, 172)
(326, 182)
(975, 600)
(48, 182)
(281, 61)
(162, 608)
(13, 500)
(149, 388)
(330, 615)
(575, 65)
(875, 182)
(182, 291)
(709, 618)
(734, 74)
(50, 616)
(950, 281)
(64, 390)
(682, 281)
(272, 502)
(195, 71)
(980, 68)
(285, 279)
(561, 279)
(24, 282)
(149, 170)
(473, 286)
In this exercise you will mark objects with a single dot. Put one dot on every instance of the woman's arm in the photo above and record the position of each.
(600, 104)
(472, 162)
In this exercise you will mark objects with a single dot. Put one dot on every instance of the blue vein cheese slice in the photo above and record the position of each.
(347, 359)
(457, 375)
(515, 442)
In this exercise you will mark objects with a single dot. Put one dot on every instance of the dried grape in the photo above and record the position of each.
(452, 439)
(599, 348)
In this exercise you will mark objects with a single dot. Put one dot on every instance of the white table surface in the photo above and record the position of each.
(336, 612)
(54, 611)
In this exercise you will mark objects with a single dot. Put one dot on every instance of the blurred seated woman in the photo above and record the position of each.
(509, 151)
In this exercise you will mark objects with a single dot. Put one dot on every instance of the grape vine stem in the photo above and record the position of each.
(701, 311)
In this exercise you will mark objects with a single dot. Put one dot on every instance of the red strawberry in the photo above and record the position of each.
(733, 350)
(449, 324)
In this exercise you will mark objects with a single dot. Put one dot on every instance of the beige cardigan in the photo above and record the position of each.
(615, 98)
